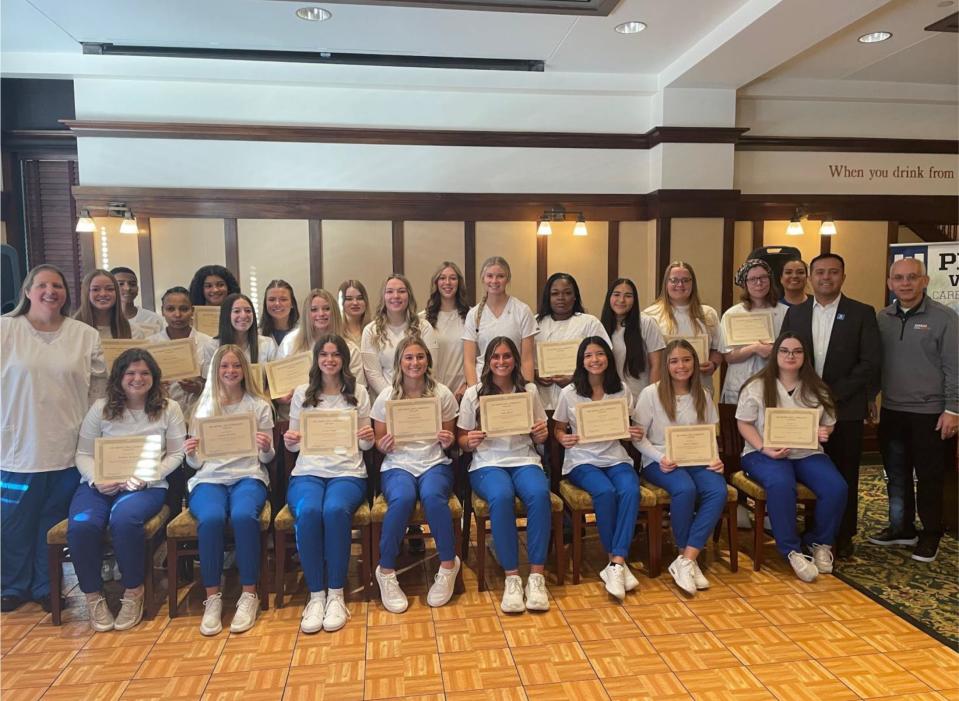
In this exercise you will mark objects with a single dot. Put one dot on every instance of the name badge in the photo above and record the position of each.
(921, 327)
(840, 317)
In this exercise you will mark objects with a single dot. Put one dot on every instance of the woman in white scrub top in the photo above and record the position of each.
(149, 322)
(100, 306)
(446, 312)
(238, 326)
(637, 341)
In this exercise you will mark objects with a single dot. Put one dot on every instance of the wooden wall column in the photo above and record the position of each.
(663, 237)
(398, 259)
(612, 253)
(145, 257)
(232, 242)
(316, 254)
(729, 244)
(542, 253)
(469, 261)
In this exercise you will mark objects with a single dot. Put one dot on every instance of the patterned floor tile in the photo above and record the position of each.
(765, 645)
(693, 651)
(548, 664)
(624, 657)
(803, 680)
(722, 684)
(873, 676)
(664, 686)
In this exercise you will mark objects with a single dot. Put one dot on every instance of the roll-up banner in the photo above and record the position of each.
(942, 266)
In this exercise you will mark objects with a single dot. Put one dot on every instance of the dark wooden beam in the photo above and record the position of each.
(316, 253)
(145, 257)
(759, 234)
(892, 237)
(612, 253)
(398, 257)
(846, 144)
(825, 244)
(469, 260)
(232, 244)
(663, 252)
(542, 260)
(729, 246)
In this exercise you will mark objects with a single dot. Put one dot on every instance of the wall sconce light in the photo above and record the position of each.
(129, 224)
(544, 229)
(85, 223)
(827, 227)
(559, 213)
(795, 224)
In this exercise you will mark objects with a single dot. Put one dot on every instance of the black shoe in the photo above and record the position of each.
(927, 548)
(845, 549)
(45, 604)
(888, 536)
(417, 546)
(10, 603)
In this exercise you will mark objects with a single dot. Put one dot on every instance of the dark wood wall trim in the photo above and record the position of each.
(399, 264)
(691, 203)
(316, 254)
(892, 237)
(846, 144)
(612, 252)
(232, 244)
(145, 259)
(469, 260)
(729, 251)
(932, 209)
(759, 234)
(663, 252)
(542, 260)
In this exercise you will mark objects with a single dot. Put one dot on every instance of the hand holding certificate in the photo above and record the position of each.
(327, 432)
(607, 420)
(744, 329)
(791, 428)
(700, 344)
(413, 419)
(227, 436)
(556, 358)
(119, 459)
(206, 319)
(286, 375)
(506, 414)
(692, 446)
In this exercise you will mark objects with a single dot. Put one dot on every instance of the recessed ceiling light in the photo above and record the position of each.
(874, 37)
(945, 3)
(632, 27)
(313, 14)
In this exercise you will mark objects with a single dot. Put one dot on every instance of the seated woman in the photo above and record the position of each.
(230, 488)
(414, 469)
(325, 490)
(697, 494)
(507, 467)
(135, 405)
(602, 468)
(790, 381)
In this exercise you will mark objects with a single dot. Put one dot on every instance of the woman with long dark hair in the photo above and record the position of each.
(636, 339)
(238, 327)
(211, 284)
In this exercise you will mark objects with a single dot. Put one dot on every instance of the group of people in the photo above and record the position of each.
(826, 354)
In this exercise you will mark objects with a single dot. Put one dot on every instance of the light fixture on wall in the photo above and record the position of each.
(85, 223)
(559, 213)
(129, 224)
(544, 229)
(827, 227)
(795, 224)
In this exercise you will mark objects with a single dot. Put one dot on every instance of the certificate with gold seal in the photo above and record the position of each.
(743, 329)
(286, 375)
(206, 319)
(177, 359)
(556, 357)
(691, 446)
(232, 436)
(119, 459)
(606, 420)
(114, 347)
(328, 432)
(700, 344)
(506, 414)
(413, 419)
(791, 428)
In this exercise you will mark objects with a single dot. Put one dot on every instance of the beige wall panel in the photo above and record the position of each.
(181, 246)
(907, 235)
(774, 234)
(273, 249)
(357, 250)
(637, 258)
(862, 244)
(426, 244)
(742, 247)
(516, 242)
(700, 243)
(121, 249)
(583, 257)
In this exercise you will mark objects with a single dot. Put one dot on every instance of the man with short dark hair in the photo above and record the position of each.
(920, 403)
(844, 339)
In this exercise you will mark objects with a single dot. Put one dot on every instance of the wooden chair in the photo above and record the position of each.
(182, 541)
(58, 552)
(284, 525)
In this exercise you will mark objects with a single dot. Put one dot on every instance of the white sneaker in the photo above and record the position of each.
(629, 578)
(513, 595)
(442, 590)
(536, 598)
(101, 619)
(698, 578)
(803, 566)
(822, 557)
(212, 622)
(393, 598)
(615, 580)
(131, 613)
(682, 571)
(312, 619)
(336, 614)
(247, 608)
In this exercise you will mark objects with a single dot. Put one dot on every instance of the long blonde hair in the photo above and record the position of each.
(210, 403)
(379, 320)
(119, 326)
(663, 308)
(429, 389)
(306, 334)
(665, 390)
(488, 263)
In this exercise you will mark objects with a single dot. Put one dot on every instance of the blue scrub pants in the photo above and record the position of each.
(400, 491)
(615, 493)
(692, 526)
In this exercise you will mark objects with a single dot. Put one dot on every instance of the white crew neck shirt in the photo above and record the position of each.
(599, 453)
(508, 451)
(416, 457)
(448, 362)
(652, 340)
(378, 361)
(329, 466)
(650, 414)
(752, 408)
(576, 327)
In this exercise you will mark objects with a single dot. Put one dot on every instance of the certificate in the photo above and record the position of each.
(286, 375)
(691, 446)
(258, 372)
(606, 420)
(328, 432)
(206, 319)
(413, 419)
(177, 359)
(700, 344)
(791, 428)
(113, 347)
(227, 436)
(556, 357)
(506, 414)
(743, 329)
(119, 459)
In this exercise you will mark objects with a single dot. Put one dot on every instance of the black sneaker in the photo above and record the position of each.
(887, 536)
(10, 603)
(927, 548)
(417, 546)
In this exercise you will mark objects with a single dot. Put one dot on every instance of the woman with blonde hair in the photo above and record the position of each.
(320, 316)
(446, 311)
(355, 305)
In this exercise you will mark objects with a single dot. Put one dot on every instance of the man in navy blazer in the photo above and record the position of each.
(844, 338)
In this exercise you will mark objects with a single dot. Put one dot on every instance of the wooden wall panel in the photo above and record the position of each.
(271, 249)
(516, 242)
(358, 250)
(427, 244)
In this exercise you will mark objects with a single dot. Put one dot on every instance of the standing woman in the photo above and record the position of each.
(45, 378)
(150, 322)
(793, 281)
(230, 488)
(320, 317)
(561, 317)
(100, 307)
(602, 468)
(416, 469)
(506, 468)
(395, 318)
(790, 381)
(697, 494)
(446, 311)
(497, 314)
(356, 310)
(760, 296)
(238, 327)
(178, 315)
(135, 405)
(679, 312)
(326, 490)
(280, 313)
(637, 341)
(211, 284)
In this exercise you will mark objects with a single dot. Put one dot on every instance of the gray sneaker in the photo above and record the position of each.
(822, 557)
(131, 613)
(212, 621)
(101, 619)
(803, 566)
(247, 608)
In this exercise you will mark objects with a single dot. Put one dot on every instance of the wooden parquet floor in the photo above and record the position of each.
(762, 635)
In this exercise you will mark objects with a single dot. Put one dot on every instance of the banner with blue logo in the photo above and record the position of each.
(942, 266)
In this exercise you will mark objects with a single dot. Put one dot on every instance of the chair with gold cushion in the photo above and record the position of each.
(418, 517)
(579, 503)
(58, 553)
(183, 541)
(755, 491)
(729, 516)
(284, 525)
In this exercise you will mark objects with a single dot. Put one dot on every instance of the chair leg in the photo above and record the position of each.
(264, 584)
(576, 517)
(375, 532)
(808, 511)
(467, 527)
(759, 516)
(366, 565)
(559, 547)
(279, 567)
(172, 545)
(55, 567)
(731, 529)
(460, 586)
(480, 553)
(655, 523)
(149, 607)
